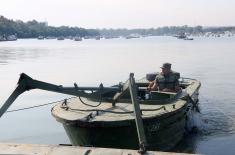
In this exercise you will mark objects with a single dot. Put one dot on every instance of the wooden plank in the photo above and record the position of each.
(35, 149)
(124, 89)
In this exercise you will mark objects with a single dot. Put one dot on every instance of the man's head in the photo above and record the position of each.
(166, 68)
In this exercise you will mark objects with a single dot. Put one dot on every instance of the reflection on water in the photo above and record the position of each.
(10, 55)
(91, 62)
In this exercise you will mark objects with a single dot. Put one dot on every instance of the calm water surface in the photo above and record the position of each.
(90, 62)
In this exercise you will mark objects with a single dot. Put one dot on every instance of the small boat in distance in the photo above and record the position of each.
(97, 38)
(132, 36)
(40, 37)
(60, 38)
(188, 38)
(87, 37)
(181, 36)
(50, 37)
(8, 38)
(77, 39)
(2, 38)
(11, 38)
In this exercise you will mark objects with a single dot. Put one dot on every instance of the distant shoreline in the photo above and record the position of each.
(34, 29)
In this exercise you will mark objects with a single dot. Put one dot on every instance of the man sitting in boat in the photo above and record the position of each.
(167, 80)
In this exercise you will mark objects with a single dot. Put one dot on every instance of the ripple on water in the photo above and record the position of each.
(213, 121)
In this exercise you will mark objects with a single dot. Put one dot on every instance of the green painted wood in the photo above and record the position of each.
(137, 112)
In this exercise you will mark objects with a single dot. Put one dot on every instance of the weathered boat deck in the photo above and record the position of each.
(35, 149)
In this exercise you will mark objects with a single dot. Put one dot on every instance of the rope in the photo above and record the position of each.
(162, 107)
(88, 110)
(99, 110)
(101, 86)
(26, 108)
(109, 111)
(89, 104)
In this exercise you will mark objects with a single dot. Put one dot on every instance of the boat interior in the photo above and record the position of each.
(145, 96)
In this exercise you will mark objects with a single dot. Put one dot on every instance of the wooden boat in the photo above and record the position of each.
(121, 116)
(164, 117)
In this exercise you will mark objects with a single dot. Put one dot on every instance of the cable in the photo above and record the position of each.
(98, 110)
(36, 106)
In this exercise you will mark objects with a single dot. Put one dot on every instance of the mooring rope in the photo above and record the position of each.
(36, 106)
(87, 110)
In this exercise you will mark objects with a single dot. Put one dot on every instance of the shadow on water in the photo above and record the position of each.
(212, 121)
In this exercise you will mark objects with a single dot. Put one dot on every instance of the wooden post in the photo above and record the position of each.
(137, 112)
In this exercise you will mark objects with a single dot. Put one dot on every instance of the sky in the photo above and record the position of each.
(122, 13)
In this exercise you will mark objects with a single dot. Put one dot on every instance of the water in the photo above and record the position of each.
(90, 62)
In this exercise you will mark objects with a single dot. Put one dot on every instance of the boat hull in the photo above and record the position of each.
(162, 133)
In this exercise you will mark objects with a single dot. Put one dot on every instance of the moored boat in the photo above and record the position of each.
(3, 38)
(132, 36)
(164, 118)
(8, 38)
(77, 39)
(188, 38)
(181, 36)
(12, 38)
(123, 116)
(97, 38)
(60, 38)
(40, 37)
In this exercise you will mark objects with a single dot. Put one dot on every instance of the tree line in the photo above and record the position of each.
(33, 29)
(166, 30)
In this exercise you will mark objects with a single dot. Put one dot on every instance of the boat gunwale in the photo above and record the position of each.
(117, 123)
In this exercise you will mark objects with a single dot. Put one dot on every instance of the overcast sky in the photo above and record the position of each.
(122, 13)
